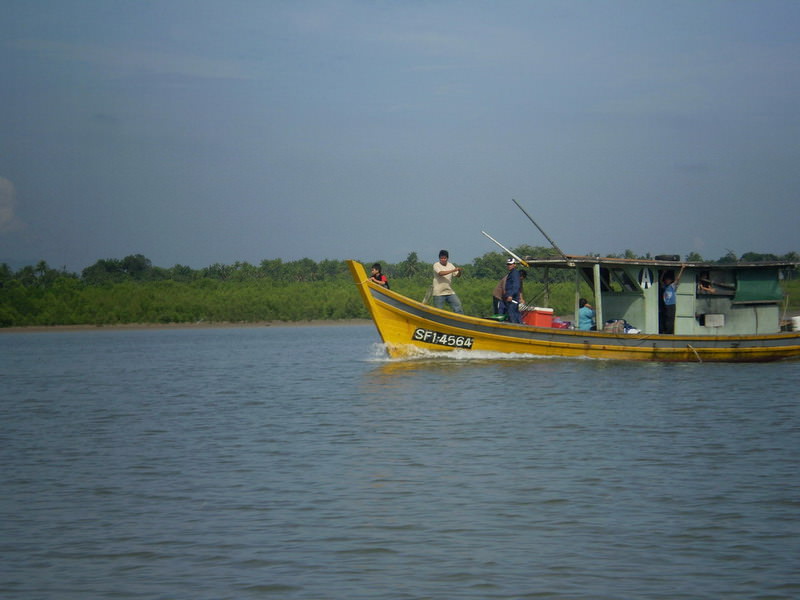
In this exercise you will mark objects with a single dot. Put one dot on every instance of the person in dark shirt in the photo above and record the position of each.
(511, 294)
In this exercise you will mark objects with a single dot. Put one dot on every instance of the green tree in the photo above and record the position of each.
(304, 269)
(491, 265)
(273, 269)
(6, 274)
(103, 271)
(791, 257)
(758, 257)
(181, 273)
(27, 276)
(136, 266)
(410, 267)
(218, 271)
(332, 269)
(244, 271)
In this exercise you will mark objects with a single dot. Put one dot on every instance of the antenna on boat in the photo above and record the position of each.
(549, 239)
(518, 259)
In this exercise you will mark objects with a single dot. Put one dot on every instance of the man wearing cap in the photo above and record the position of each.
(512, 292)
(443, 273)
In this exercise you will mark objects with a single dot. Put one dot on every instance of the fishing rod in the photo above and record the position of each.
(549, 239)
(517, 258)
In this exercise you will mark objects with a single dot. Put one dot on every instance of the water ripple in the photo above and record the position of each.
(295, 463)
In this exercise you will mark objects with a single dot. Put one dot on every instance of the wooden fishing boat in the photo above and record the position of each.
(724, 313)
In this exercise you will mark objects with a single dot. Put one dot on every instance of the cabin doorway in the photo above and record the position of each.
(666, 313)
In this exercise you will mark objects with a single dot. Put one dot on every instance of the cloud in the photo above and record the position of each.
(8, 201)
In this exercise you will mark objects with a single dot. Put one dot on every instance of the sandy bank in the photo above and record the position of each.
(200, 325)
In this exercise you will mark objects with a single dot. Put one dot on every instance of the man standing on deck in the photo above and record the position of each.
(512, 292)
(443, 273)
(669, 298)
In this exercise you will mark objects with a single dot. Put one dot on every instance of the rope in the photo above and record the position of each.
(695, 352)
(785, 307)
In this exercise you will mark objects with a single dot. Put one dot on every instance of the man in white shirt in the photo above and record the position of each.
(443, 273)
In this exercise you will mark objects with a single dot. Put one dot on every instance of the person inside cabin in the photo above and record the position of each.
(443, 273)
(669, 298)
(704, 284)
(378, 277)
(512, 292)
(586, 316)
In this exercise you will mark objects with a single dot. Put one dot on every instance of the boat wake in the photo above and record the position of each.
(383, 353)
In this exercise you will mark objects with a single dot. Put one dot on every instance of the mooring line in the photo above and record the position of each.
(695, 352)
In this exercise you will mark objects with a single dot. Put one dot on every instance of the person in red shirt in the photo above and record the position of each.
(378, 277)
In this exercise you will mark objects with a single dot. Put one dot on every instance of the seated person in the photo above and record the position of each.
(586, 316)
(378, 277)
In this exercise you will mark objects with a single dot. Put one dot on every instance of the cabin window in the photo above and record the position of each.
(757, 286)
(717, 283)
(624, 280)
(612, 280)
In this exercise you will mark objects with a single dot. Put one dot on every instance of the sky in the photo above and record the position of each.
(197, 132)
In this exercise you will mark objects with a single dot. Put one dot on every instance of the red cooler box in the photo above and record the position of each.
(538, 317)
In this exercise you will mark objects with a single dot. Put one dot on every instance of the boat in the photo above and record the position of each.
(724, 313)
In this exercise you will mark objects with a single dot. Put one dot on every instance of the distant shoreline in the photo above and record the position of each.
(197, 325)
(225, 325)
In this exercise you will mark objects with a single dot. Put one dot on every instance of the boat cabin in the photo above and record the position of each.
(712, 299)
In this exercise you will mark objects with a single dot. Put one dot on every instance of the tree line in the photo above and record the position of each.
(133, 290)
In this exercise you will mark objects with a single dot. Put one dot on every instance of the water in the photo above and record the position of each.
(298, 463)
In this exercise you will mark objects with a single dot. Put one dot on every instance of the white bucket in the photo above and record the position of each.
(795, 323)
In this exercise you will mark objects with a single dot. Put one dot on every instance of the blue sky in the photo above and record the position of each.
(197, 132)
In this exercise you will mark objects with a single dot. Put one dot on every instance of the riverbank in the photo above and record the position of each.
(197, 325)
(785, 321)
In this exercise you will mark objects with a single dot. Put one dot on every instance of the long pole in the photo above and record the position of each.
(518, 259)
(549, 239)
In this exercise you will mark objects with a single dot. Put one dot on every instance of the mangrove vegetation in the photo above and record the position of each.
(133, 290)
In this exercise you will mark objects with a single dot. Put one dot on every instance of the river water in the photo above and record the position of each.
(298, 462)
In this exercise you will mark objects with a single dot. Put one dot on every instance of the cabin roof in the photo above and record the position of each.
(572, 261)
